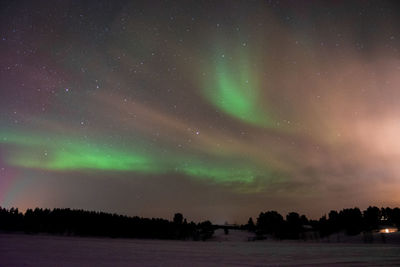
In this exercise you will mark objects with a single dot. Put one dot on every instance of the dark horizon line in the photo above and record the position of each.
(80, 222)
(199, 221)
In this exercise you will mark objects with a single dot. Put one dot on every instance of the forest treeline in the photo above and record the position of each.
(351, 221)
(101, 224)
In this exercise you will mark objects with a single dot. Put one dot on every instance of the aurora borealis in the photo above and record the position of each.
(216, 109)
(236, 93)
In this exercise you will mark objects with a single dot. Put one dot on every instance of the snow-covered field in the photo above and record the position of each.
(40, 250)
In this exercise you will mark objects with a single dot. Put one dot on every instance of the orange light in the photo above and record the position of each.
(388, 230)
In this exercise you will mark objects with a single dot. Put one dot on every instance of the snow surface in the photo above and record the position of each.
(230, 250)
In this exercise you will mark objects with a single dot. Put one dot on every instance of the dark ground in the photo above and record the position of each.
(40, 250)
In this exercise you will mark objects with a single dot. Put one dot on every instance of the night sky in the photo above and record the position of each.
(216, 109)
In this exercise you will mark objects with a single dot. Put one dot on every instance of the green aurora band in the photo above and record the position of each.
(66, 154)
(220, 174)
(237, 93)
(62, 154)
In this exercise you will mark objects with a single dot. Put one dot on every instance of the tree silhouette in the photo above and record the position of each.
(250, 225)
(372, 217)
(294, 225)
(270, 222)
(90, 223)
(352, 220)
(178, 218)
